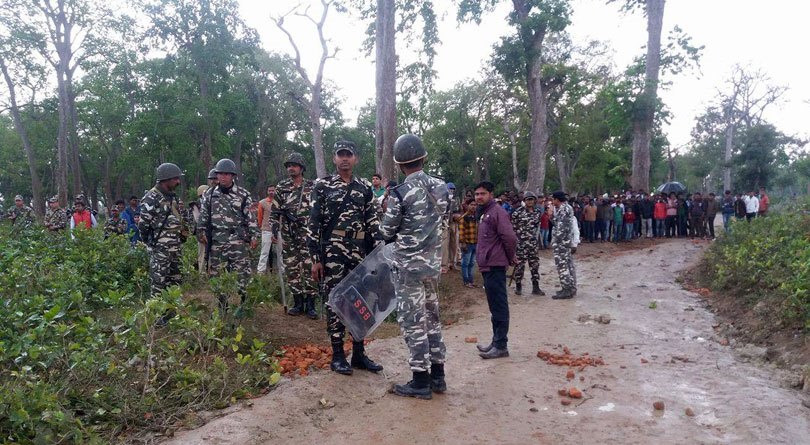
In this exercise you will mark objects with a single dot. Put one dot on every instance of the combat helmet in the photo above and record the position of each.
(212, 174)
(225, 166)
(529, 195)
(408, 148)
(295, 158)
(166, 171)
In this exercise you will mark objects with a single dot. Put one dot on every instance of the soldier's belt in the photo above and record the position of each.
(349, 234)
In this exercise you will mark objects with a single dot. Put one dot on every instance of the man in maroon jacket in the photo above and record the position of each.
(497, 244)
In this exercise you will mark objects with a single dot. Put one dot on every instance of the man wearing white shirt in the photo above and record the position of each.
(751, 206)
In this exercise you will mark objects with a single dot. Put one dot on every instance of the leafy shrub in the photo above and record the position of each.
(767, 258)
(81, 360)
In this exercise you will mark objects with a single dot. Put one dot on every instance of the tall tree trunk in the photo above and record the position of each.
(562, 167)
(644, 115)
(73, 135)
(207, 154)
(536, 174)
(36, 183)
(261, 162)
(727, 156)
(513, 144)
(62, 143)
(386, 78)
(317, 132)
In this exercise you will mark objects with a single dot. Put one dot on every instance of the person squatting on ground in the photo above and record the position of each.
(228, 229)
(291, 208)
(497, 244)
(163, 231)
(412, 224)
(343, 227)
(526, 221)
(561, 243)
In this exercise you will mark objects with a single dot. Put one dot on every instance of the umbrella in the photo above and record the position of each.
(671, 187)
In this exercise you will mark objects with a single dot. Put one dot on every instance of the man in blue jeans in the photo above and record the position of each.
(497, 245)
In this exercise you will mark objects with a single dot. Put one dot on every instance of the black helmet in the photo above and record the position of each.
(166, 171)
(295, 158)
(212, 174)
(225, 166)
(408, 148)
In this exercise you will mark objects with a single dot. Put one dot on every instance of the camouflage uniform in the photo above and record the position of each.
(561, 239)
(115, 226)
(22, 217)
(162, 229)
(343, 250)
(227, 212)
(55, 219)
(412, 222)
(292, 205)
(526, 224)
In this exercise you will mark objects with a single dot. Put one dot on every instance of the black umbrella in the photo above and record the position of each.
(671, 187)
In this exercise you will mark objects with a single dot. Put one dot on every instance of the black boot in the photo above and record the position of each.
(564, 294)
(361, 361)
(518, 289)
(298, 308)
(310, 306)
(536, 288)
(339, 363)
(419, 387)
(437, 383)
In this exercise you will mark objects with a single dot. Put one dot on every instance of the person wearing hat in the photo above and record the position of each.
(212, 178)
(526, 222)
(450, 231)
(163, 230)
(412, 228)
(55, 216)
(21, 215)
(115, 225)
(562, 239)
(228, 229)
(343, 227)
(288, 221)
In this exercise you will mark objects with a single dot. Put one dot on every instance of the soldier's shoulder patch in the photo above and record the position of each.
(363, 181)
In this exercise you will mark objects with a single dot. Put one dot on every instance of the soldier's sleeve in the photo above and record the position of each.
(371, 222)
(253, 228)
(566, 234)
(204, 219)
(276, 205)
(147, 222)
(392, 218)
(315, 221)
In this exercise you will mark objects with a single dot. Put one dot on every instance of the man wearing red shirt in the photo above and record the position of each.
(763, 202)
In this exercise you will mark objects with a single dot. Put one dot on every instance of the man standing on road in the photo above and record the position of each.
(712, 207)
(162, 230)
(526, 223)
(728, 209)
(343, 226)
(561, 242)
(412, 223)
(497, 244)
(291, 207)
(228, 228)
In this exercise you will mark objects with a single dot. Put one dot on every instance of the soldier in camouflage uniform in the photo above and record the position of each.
(228, 228)
(55, 216)
(115, 224)
(21, 215)
(561, 243)
(526, 222)
(291, 206)
(413, 223)
(343, 226)
(162, 230)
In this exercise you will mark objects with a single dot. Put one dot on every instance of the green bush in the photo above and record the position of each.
(767, 258)
(81, 360)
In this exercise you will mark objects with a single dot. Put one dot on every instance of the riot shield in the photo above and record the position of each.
(365, 297)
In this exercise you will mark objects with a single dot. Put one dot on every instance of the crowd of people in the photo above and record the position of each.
(313, 233)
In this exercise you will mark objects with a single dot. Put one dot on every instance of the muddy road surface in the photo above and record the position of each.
(656, 340)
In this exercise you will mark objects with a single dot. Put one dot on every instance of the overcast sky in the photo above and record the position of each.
(763, 35)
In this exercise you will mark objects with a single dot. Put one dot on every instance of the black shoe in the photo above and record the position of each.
(484, 348)
(298, 307)
(419, 387)
(361, 361)
(437, 383)
(536, 289)
(339, 363)
(310, 306)
(518, 289)
(495, 353)
(564, 294)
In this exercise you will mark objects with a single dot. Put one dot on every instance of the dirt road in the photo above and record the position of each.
(666, 351)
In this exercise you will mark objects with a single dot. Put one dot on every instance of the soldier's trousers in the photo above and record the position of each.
(164, 268)
(527, 252)
(336, 267)
(418, 317)
(298, 270)
(565, 267)
(232, 256)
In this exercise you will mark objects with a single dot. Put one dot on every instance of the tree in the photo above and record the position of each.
(315, 86)
(534, 20)
(385, 89)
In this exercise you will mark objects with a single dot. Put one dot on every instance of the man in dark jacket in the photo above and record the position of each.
(497, 246)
